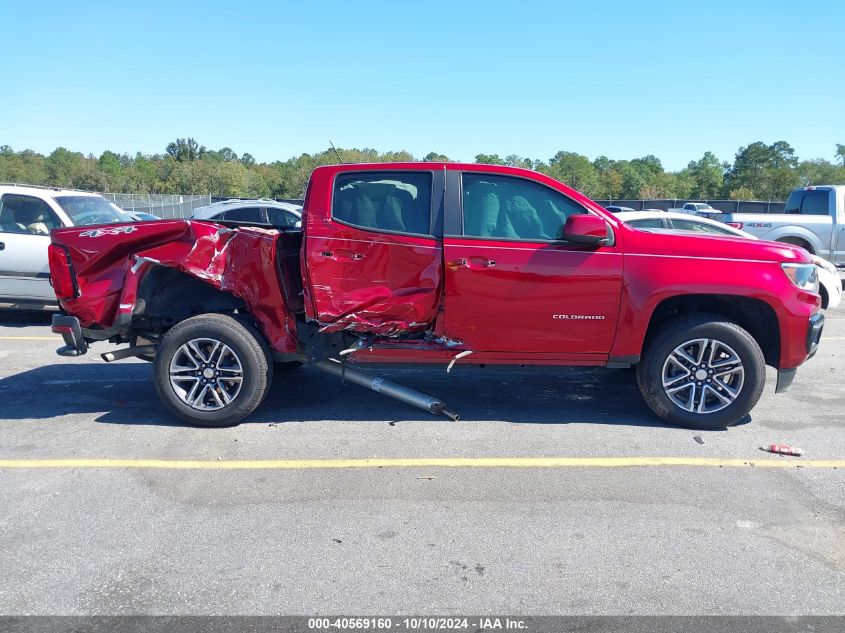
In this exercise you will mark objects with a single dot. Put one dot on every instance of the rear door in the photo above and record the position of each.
(373, 257)
(25, 224)
(512, 285)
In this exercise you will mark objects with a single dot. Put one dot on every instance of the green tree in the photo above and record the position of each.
(434, 157)
(576, 171)
(489, 159)
(185, 149)
(61, 164)
(706, 177)
(766, 170)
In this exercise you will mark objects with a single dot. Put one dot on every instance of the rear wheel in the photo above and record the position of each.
(702, 372)
(212, 370)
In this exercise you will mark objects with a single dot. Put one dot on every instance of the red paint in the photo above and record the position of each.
(110, 267)
(585, 225)
(378, 283)
(508, 301)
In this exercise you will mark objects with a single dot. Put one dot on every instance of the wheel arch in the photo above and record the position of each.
(755, 316)
(167, 296)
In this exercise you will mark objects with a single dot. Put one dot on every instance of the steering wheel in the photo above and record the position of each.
(93, 217)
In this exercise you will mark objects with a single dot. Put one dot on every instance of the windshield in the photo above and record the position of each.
(83, 210)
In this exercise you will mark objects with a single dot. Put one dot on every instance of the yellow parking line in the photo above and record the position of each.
(30, 338)
(427, 462)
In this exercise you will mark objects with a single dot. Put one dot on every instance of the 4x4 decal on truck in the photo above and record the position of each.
(117, 230)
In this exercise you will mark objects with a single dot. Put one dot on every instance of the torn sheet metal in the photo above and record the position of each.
(388, 286)
(238, 261)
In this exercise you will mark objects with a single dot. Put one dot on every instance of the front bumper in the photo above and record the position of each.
(811, 343)
(71, 331)
(814, 333)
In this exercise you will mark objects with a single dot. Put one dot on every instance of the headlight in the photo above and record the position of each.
(805, 276)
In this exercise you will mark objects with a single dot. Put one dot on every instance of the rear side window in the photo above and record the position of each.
(513, 208)
(392, 202)
(26, 214)
(647, 223)
(698, 227)
(278, 217)
(244, 214)
(814, 202)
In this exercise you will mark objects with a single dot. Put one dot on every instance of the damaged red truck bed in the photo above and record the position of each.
(438, 263)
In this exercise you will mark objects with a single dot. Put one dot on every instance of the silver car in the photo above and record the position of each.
(277, 214)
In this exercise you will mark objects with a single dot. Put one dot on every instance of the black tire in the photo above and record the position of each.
(650, 372)
(249, 349)
(825, 299)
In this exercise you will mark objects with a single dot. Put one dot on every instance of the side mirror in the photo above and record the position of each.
(586, 228)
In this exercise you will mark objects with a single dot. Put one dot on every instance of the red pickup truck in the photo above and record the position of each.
(439, 264)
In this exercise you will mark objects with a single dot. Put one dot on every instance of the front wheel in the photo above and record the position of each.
(702, 372)
(212, 370)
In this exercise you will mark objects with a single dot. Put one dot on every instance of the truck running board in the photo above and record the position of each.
(387, 388)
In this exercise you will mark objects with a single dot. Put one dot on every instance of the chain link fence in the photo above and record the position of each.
(726, 206)
(166, 206)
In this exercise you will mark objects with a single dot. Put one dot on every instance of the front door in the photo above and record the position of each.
(511, 284)
(374, 262)
(25, 223)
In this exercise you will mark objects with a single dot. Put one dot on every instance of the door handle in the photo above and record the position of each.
(472, 263)
(343, 254)
(2, 246)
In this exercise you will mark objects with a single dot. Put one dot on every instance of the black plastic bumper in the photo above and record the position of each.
(814, 333)
(71, 331)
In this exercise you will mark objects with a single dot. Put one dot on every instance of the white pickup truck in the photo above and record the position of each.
(696, 208)
(27, 215)
(814, 218)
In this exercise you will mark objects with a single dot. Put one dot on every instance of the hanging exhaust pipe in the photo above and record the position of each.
(387, 388)
(128, 352)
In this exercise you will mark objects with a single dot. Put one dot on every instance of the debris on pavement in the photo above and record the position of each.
(783, 449)
(699, 439)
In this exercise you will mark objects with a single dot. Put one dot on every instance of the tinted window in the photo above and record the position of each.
(647, 223)
(815, 202)
(397, 202)
(279, 217)
(699, 227)
(513, 208)
(244, 214)
(25, 214)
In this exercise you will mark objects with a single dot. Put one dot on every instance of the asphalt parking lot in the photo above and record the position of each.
(203, 528)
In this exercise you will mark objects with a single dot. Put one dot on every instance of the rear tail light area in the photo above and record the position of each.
(736, 225)
(62, 276)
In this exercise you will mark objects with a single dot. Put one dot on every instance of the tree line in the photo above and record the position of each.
(758, 172)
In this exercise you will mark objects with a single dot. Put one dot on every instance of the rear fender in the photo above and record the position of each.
(241, 262)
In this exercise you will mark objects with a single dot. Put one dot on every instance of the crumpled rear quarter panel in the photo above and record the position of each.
(109, 267)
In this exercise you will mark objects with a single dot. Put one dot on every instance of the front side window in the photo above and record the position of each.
(26, 214)
(514, 208)
(394, 202)
(244, 214)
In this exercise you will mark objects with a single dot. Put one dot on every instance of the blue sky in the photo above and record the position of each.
(276, 79)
